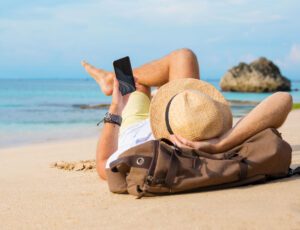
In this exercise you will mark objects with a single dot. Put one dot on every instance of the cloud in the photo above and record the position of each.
(247, 58)
(36, 34)
(294, 55)
(195, 12)
(160, 12)
(57, 23)
(292, 58)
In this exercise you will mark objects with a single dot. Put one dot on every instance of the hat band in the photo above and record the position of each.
(167, 116)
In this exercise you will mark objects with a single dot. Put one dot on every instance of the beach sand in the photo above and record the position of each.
(35, 196)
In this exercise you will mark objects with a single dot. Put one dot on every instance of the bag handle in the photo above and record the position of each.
(174, 165)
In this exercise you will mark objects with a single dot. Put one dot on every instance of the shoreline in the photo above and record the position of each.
(49, 135)
(47, 141)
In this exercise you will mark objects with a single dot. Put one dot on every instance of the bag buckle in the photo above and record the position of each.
(149, 179)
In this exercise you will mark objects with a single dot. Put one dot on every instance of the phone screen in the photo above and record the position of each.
(124, 75)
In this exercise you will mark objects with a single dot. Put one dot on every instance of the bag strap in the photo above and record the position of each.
(172, 169)
(243, 168)
(193, 151)
(174, 166)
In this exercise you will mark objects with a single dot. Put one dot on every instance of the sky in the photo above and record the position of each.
(49, 38)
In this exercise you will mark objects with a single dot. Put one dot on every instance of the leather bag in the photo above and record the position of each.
(158, 167)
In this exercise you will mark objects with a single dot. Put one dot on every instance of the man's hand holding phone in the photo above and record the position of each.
(124, 84)
(118, 100)
(124, 75)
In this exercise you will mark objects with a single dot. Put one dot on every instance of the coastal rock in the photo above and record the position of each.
(261, 75)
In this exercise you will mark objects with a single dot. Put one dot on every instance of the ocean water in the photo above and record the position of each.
(50, 109)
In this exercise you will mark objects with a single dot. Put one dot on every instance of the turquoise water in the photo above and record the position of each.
(38, 110)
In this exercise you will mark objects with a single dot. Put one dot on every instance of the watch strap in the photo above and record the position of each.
(112, 118)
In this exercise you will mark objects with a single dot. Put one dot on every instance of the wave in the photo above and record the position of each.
(87, 106)
(78, 106)
(53, 105)
(48, 122)
(243, 103)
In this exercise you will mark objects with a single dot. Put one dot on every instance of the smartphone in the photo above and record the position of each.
(124, 75)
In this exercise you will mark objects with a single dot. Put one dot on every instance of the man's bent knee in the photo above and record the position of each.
(183, 52)
(144, 89)
(285, 98)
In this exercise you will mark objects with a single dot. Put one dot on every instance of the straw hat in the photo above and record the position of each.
(191, 108)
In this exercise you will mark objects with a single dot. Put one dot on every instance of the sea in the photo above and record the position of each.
(40, 110)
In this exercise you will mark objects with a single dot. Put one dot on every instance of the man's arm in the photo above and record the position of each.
(108, 141)
(270, 113)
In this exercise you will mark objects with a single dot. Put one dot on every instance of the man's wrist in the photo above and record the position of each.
(219, 146)
(215, 145)
(115, 109)
(112, 118)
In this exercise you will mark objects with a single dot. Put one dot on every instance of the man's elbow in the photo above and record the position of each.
(100, 166)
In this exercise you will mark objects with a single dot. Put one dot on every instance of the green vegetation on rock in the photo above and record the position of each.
(296, 106)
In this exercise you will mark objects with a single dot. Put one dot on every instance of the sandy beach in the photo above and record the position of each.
(36, 196)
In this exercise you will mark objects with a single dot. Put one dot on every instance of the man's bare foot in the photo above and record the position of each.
(102, 77)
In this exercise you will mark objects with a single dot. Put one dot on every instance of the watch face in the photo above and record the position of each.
(113, 118)
(106, 115)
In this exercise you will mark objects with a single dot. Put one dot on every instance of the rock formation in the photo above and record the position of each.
(261, 75)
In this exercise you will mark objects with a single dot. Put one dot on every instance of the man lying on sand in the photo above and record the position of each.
(134, 109)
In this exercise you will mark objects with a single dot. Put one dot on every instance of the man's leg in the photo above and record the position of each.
(180, 63)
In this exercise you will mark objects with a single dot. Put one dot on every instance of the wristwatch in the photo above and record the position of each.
(112, 118)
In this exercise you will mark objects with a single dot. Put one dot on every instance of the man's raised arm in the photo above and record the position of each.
(270, 113)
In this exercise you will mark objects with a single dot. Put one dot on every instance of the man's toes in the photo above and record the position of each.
(88, 66)
(90, 69)
(83, 63)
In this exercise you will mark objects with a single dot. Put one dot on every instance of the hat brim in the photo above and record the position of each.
(166, 92)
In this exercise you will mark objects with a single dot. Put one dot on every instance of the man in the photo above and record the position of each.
(134, 109)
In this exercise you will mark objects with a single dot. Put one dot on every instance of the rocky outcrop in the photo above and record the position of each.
(261, 75)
